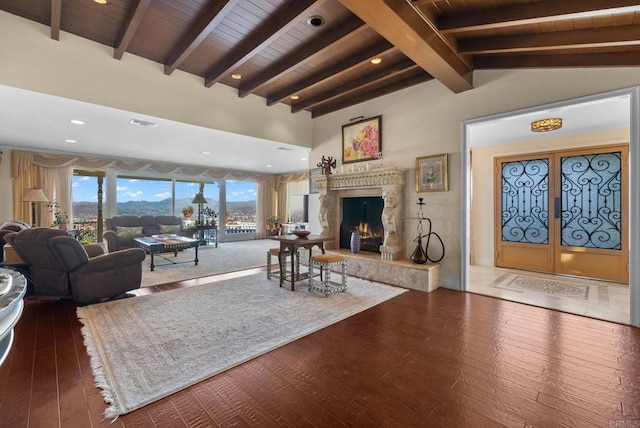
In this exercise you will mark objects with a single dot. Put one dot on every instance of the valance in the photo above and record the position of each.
(22, 160)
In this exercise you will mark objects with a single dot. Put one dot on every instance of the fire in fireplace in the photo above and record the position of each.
(364, 215)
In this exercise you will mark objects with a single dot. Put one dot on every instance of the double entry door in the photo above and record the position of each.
(564, 212)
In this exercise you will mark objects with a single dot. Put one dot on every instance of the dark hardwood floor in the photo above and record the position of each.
(444, 359)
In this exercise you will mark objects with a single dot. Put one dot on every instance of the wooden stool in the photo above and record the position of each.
(276, 273)
(324, 262)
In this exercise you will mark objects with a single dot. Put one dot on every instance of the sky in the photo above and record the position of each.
(85, 189)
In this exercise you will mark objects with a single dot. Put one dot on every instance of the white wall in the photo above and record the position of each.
(82, 70)
(426, 119)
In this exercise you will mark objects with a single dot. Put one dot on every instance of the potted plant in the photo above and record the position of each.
(210, 214)
(273, 225)
(60, 218)
(187, 212)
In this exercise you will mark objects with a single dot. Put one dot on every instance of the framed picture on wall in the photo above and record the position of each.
(432, 174)
(362, 140)
(313, 175)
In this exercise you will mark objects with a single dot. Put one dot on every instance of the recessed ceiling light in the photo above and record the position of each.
(70, 141)
(236, 76)
(100, 1)
(268, 166)
(295, 97)
(76, 122)
(206, 153)
(376, 60)
(142, 123)
(315, 21)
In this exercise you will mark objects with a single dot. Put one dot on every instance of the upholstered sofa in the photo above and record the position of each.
(62, 267)
(10, 227)
(121, 230)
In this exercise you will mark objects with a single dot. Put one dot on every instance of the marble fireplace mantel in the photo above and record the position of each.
(385, 182)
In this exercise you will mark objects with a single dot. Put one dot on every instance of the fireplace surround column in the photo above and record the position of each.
(391, 248)
(388, 182)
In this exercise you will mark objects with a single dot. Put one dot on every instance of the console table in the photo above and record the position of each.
(209, 230)
(13, 287)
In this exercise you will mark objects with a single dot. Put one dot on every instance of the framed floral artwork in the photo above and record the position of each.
(362, 140)
(432, 174)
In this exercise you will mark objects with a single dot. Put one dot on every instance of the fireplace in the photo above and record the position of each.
(362, 214)
(378, 186)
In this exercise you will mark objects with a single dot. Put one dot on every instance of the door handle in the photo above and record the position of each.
(557, 207)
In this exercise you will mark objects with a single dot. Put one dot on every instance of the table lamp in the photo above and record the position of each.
(200, 200)
(34, 196)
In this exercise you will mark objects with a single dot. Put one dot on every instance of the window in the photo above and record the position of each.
(185, 192)
(144, 196)
(297, 205)
(240, 208)
(86, 194)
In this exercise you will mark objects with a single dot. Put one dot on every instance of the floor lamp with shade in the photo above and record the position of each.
(34, 196)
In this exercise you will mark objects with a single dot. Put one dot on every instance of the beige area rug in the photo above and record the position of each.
(227, 257)
(146, 348)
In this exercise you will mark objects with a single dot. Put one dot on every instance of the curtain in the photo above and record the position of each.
(55, 182)
(283, 192)
(264, 207)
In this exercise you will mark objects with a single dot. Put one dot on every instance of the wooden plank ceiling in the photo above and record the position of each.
(282, 57)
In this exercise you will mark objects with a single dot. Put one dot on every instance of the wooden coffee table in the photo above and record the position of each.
(166, 243)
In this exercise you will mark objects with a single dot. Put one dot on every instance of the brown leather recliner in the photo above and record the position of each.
(10, 227)
(62, 267)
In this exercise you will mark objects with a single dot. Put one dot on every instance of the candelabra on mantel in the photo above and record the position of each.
(326, 164)
(421, 255)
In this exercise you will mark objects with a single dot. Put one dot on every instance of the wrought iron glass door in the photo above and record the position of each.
(564, 212)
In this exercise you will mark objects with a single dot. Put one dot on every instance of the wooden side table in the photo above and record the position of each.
(10, 256)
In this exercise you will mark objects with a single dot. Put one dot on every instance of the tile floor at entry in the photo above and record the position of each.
(601, 299)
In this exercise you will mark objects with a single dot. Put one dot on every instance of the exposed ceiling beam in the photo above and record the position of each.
(607, 59)
(417, 37)
(198, 33)
(377, 76)
(532, 13)
(132, 26)
(423, 2)
(56, 16)
(350, 27)
(343, 67)
(271, 29)
(367, 95)
(623, 35)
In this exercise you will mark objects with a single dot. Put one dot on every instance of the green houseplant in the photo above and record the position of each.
(273, 221)
(60, 218)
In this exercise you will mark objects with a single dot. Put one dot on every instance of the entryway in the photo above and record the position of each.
(564, 212)
(481, 206)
